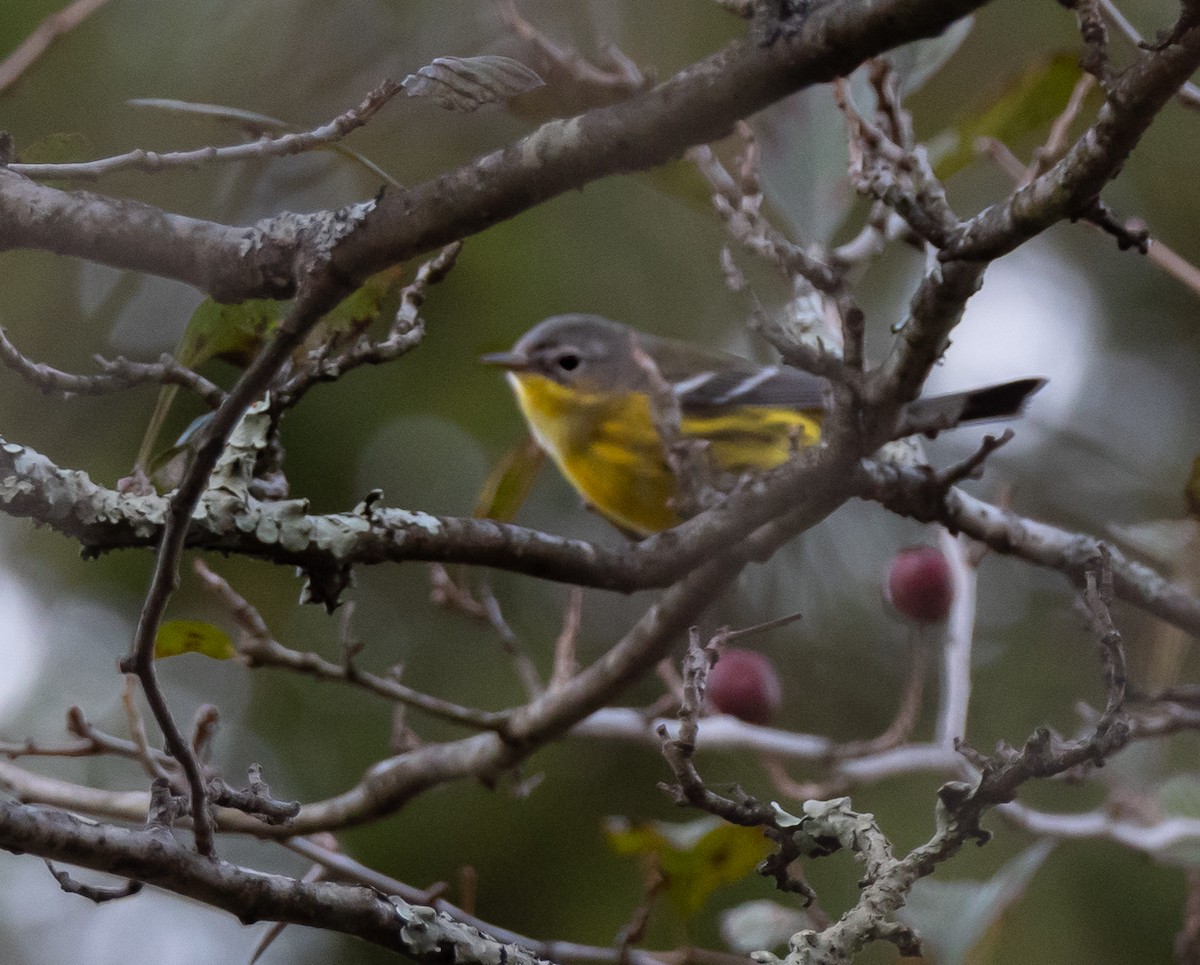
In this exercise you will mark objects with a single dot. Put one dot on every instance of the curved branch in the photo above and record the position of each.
(699, 104)
(390, 784)
(154, 856)
(283, 532)
(1070, 187)
(907, 491)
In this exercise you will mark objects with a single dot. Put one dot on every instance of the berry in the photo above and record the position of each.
(744, 683)
(920, 584)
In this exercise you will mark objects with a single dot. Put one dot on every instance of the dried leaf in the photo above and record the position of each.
(467, 83)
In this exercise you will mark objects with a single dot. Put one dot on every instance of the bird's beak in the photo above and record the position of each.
(513, 361)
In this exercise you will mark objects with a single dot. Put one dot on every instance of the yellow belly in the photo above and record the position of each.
(608, 450)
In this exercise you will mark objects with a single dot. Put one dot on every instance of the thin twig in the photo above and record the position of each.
(566, 663)
(259, 648)
(739, 200)
(1189, 94)
(44, 34)
(680, 750)
(119, 373)
(323, 293)
(957, 644)
(342, 352)
(137, 730)
(1183, 271)
(342, 866)
(726, 635)
(621, 79)
(897, 174)
(266, 146)
(1057, 141)
(95, 893)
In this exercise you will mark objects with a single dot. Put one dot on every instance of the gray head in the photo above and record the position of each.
(582, 351)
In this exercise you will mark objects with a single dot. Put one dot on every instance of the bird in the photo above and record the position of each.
(587, 387)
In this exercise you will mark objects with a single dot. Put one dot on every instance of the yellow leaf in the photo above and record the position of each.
(695, 858)
(193, 636)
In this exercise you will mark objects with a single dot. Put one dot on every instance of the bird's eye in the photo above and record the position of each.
(568, 361)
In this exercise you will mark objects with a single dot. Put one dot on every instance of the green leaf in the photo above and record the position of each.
(254, 124)
(695, 858)
(234, 333)
(507, 485)
(367, 303)
(192, 636)
(251, 122)
(920, 60)
(1029, 102)
(1191, 492)
(64, 147)
(681, 181)
(956, 918)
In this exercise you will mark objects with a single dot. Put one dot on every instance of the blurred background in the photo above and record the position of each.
(1105, 447)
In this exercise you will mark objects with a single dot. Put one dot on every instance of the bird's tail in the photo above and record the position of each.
(938, 412)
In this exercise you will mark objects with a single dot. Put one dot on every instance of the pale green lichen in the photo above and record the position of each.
(408, 517)
(429, 934)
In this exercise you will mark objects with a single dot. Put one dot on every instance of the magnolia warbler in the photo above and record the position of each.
(585, 386)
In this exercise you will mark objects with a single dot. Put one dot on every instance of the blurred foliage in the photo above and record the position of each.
(961, 921)
(509, 483)
(692, 860)
(1026, 106)
(1114, 447)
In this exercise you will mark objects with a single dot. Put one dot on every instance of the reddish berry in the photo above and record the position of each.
(920, 584)
(744, 683)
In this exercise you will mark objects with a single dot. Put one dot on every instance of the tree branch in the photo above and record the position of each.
(156, 858)
(697, 105)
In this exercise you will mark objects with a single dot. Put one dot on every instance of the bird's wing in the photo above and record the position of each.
(705, 380)
(761, 385)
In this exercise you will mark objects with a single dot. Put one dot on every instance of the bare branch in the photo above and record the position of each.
(118, 374)
(48, 31)
(958, 644)
(907, 491)
(565, 661)
(1188, 94)
(70, 503)
(334, 357)
(280, 146)
(94, 893)
(1070, 187)
(261, 649)
(155, 858)
(696, 106)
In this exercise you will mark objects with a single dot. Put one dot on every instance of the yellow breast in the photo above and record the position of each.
(607, 448)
